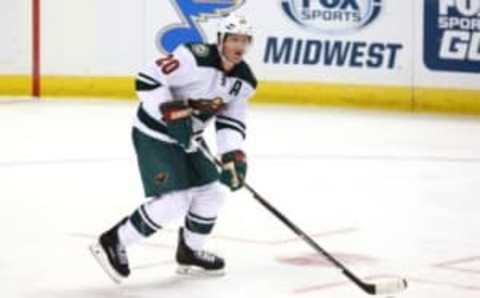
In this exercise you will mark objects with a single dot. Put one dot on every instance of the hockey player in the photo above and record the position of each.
(180, 94)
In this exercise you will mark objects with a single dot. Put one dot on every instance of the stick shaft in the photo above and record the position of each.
(369, 288)
(304, 236)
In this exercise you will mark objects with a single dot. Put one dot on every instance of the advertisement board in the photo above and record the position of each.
(382, 53)
(452, 35)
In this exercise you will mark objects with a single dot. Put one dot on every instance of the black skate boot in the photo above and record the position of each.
(200, 263)
(111, 254)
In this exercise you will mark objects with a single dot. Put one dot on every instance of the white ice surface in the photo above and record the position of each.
(389, 194)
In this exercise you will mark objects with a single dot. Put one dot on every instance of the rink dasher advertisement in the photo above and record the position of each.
(338, 37)
(332, 53)
(407, 50)
(343, 37)
(452, 35)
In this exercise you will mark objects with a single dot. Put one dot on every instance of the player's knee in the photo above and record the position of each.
(168, 207)
(211, 192)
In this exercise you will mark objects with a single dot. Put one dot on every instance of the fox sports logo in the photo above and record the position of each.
(333, 16)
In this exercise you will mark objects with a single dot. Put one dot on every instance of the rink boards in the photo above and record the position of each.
(297, 93)
(407, 55)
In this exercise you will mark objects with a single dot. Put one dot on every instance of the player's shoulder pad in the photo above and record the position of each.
(244, 72)
(206, 55)
(184, 54)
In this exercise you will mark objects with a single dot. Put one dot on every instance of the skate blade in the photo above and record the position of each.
(102, 260)
(199, 272)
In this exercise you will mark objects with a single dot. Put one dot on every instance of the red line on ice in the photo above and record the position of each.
(450, 265)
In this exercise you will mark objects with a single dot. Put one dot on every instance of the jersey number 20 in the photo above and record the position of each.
(168, 64)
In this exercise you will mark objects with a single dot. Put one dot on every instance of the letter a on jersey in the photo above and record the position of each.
(236, 88)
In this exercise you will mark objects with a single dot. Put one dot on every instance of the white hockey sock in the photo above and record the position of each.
(128, 235)
(202, 214)
(151, 216)
(193, 240)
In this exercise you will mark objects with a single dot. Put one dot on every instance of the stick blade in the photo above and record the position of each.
(391, 286)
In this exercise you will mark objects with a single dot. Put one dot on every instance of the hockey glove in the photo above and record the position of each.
(234, 169)
(177, 116)
(206, 106)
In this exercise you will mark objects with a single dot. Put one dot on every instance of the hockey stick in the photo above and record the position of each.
(385, 287)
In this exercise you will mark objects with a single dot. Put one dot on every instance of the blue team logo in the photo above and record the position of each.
(192, 12)
(332, 16)
(452, 35)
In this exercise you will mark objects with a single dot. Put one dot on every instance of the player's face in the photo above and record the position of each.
(235, 46)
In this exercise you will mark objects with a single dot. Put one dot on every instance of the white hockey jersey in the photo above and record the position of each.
(194, 72)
